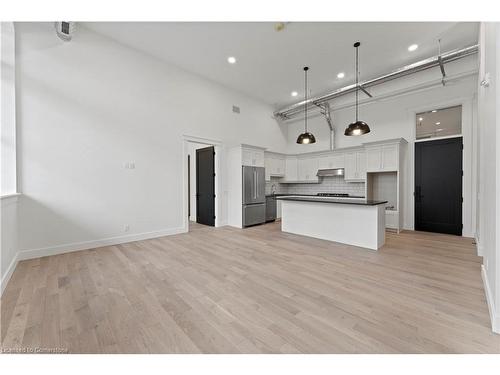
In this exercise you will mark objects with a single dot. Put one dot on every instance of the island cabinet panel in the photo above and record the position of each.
(331, 161)
(382, 158)
(336, 221)
(355, 166)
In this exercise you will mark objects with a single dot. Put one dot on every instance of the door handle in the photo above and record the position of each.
(254, 184)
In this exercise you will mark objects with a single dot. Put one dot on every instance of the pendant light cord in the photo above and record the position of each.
(357, 86)
(305, 108)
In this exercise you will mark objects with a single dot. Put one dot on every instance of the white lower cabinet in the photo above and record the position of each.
(391, 219)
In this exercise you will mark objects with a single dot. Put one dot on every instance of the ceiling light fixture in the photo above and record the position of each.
(306, 137)
(231, 60)
(413, 47)
(434, 111)
(359, 127)
(420, 119)
(438, 123)
(294, 93)
(341, 75)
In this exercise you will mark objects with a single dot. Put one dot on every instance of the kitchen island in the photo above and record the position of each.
(357, 222)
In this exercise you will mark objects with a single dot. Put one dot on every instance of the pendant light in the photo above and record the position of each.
(359, 127)
(306, 137)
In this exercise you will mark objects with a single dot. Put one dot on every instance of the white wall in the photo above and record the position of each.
(489, 167)
(8, 112)
(8, 214)
(88, 106)
(394, 117)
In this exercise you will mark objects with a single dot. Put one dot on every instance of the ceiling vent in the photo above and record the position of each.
(65, 30)
(236, 109)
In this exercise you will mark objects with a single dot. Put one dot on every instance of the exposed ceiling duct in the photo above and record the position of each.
(325, 111)
(429, 63)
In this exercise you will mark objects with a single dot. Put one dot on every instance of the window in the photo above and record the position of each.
(439, 123)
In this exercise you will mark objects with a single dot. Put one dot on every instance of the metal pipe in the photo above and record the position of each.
(431, 62)
(325, 111)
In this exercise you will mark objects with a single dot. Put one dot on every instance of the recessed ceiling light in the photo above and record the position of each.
(438, 123)
(341, 75)
(413, 47)
(434, 111)
(420, 119)
(231, 60)
(294, 93)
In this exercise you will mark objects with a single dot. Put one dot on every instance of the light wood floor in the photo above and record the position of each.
(253, 291)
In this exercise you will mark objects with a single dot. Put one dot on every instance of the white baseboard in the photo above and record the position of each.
(77, 246)
(8, 274)
(479, 248)
(494, 316)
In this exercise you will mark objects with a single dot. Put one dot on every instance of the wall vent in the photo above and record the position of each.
(65, 30)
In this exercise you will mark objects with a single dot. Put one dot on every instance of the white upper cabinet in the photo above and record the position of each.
(355, 166)
(252, 157)
(373, 159)
(331, 161)
(390, 158)
(291, 168)
(307, 169)
(382, 158)
(275, 165)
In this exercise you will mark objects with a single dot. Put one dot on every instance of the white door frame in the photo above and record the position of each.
(469, 134)
(219, 148)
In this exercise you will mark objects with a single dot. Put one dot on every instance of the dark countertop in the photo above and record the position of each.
(306, 195)
(313, 198)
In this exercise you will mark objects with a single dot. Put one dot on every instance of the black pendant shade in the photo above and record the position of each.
(358, 127)
(306, 137)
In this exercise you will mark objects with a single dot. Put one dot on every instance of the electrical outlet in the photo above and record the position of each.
(126, 228)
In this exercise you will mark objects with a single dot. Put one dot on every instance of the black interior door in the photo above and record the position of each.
(438, 186)
(205, 186)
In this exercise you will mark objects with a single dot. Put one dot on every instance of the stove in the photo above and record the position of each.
(335, 195)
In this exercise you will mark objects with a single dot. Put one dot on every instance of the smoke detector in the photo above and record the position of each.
(65, 30)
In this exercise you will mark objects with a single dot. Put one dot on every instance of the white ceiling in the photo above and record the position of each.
(269, 63)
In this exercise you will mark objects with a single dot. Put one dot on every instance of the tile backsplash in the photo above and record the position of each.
(335, 184)
(275, 186)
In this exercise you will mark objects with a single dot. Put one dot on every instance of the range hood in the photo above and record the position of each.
(330, 172)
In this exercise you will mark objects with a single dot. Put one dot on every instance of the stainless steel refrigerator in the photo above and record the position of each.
(254, 196)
